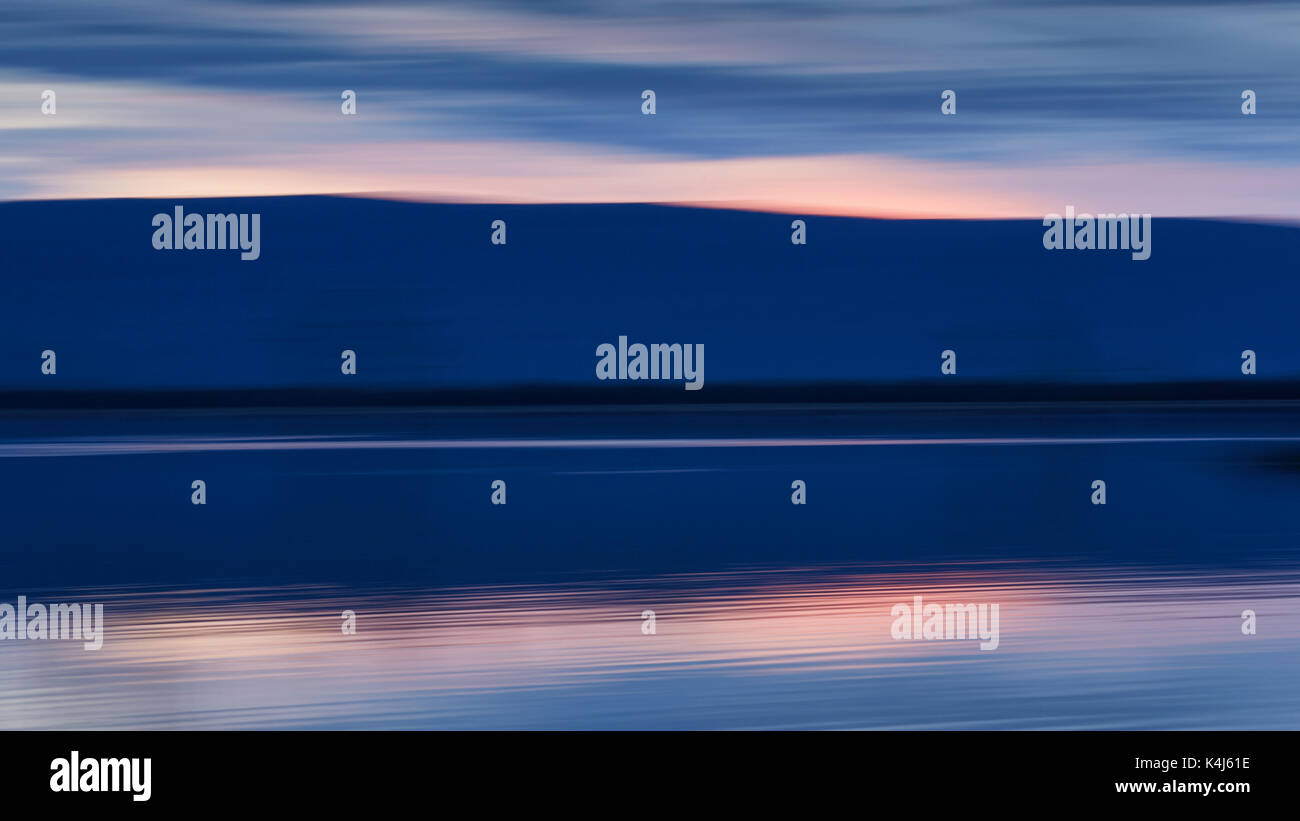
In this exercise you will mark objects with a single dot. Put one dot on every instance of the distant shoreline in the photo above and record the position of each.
(598, 396)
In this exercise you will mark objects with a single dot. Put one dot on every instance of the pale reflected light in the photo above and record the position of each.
(575, 655)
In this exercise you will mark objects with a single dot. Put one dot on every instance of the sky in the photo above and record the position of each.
(823, 106)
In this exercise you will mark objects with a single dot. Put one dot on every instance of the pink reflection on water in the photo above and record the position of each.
(533, 655)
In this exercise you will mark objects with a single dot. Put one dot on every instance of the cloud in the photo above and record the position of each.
(151, 85)
(862, 185)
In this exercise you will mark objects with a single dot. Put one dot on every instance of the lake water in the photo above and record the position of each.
(767, 614)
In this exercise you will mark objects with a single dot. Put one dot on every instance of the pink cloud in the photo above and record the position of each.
(862, 185)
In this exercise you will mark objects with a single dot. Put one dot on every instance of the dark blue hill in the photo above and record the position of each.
(437, 313)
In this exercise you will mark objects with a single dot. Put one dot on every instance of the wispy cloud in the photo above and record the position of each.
(150, 91)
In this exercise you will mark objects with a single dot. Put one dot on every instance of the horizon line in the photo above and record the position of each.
(744, 206)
